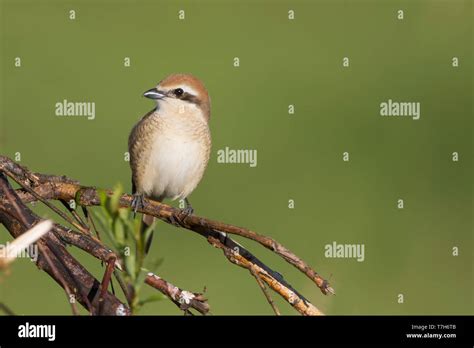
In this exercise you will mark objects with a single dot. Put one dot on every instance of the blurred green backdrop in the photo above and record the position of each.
(282, 62)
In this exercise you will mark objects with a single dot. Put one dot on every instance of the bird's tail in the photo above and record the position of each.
(147, 222)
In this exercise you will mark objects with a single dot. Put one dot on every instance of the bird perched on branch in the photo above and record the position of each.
(170, 146)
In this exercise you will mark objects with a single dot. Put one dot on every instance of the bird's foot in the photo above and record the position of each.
(188, 211)
(175, 220)
(178, 219)
(137, 201)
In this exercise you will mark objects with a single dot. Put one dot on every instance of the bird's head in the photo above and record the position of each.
(183, 92)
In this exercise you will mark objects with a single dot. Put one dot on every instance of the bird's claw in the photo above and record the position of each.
(137, 201)
(187, 211)
(178, 219)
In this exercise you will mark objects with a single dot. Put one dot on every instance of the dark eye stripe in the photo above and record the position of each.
(190, 98)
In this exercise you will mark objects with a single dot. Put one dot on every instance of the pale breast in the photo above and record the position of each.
(177, 160)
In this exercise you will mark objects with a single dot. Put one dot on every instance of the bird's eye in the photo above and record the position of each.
(178, 92)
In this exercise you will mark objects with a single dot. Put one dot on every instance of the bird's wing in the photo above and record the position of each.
(137, 147)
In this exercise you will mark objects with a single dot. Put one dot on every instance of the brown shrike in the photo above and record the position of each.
(170, 146)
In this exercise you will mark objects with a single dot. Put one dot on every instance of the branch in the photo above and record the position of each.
(13, 250)
(181, 298)
(6, 309)
(50, 187)
(264, 289)
(276, 283)
(53, 257)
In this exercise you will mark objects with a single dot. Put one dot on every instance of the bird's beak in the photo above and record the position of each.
(153, 94)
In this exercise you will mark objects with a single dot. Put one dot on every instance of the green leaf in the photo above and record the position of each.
(104, 226)
(124, 214)
(118, 231)
(152, 298)
(147, 233)
(115, 199)
(140, 280)
(124, 230)
(130, 227)
(153, 264)
(102, 196)
(130, 264)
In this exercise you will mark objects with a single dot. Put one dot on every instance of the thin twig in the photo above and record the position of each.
(45, 202)
(123, 286)
(91, 221)
(181, 298)
(104, 285)
(76, 216)
(265, 292)
(6, 309)
(69, 293)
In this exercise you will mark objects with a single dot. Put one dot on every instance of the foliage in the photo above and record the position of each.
(123, 229)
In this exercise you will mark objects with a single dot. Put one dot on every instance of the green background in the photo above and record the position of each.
(282, 62)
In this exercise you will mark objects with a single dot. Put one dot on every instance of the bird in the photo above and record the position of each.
(170, 145)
